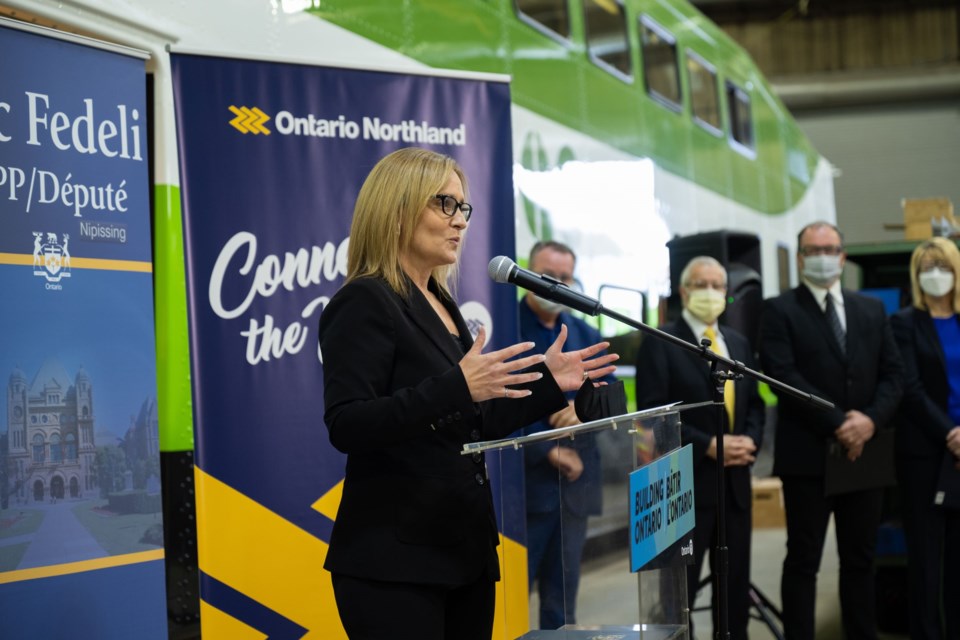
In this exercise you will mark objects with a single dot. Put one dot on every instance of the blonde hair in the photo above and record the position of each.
(937, 249)
(389, 205)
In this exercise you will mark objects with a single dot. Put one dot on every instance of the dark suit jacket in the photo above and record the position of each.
(923, 421)
(666, 373)
(798, 348)
(413, 508)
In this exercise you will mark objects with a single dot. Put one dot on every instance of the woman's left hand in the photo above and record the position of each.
(570, 369)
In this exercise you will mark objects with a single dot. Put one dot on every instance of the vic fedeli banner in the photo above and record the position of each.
(81, 535)
(272, 156)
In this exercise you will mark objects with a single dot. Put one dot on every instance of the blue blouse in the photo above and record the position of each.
(948, 331)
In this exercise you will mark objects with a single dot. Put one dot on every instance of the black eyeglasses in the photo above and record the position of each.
(449, 206)
(706, 284)
(813, 250)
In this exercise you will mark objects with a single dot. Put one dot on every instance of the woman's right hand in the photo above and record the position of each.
(488, 374)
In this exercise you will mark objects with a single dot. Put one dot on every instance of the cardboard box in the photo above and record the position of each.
(918, 231)
(768, 504)
(920, 213)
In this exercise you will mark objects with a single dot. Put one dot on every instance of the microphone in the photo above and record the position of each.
(503, 269)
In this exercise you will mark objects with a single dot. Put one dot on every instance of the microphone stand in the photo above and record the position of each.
(722, 632)
(721, 370)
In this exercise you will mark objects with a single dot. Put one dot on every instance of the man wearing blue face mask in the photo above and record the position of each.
(666, 373)
(563, 480)
(838, 345)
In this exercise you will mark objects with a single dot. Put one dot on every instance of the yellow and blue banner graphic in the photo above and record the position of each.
(81, 532)
(271, 162)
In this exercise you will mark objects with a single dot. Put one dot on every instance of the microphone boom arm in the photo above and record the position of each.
(504, 270)
(733, 366)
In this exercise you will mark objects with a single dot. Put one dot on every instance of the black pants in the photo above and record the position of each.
(857, 518)
(375, 610)
(738, 526)
(933, 553)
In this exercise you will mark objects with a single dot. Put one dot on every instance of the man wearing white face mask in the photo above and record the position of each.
(838, 345)
(562, 480)
(666, 373)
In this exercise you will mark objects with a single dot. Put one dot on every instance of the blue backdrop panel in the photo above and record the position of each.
(79, 455)
(272, 156)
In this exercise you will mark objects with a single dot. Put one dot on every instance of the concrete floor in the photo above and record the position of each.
(608, 591)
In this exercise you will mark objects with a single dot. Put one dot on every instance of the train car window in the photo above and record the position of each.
(741, 122)
(607, 41)
(704, 95)
(549, 16)
(660, 69)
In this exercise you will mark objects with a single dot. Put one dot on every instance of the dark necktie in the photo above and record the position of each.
(834, 321)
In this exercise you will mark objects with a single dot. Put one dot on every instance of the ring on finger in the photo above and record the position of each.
(506, 392)
(586, 374)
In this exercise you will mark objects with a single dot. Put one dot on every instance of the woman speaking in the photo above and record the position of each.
(413, 549)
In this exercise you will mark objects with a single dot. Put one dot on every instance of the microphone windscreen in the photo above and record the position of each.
(499, 268)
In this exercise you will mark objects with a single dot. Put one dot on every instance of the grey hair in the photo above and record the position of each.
(697, 262)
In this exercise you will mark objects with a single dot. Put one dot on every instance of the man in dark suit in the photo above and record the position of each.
(667, 373)
(838, 345)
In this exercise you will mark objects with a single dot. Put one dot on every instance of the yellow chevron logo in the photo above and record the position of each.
(249, 120)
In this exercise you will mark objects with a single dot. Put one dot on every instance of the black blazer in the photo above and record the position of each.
(413, 508)
(667, 373)
(798, 348)
(923, 421)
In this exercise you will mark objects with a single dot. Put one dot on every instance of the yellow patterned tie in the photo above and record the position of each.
(728, 391)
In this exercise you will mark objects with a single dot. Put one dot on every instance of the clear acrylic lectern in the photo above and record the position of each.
(614, 596)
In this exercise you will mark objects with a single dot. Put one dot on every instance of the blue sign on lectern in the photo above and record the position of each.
(661, 505)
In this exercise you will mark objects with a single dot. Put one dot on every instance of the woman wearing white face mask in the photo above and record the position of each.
(928, 438)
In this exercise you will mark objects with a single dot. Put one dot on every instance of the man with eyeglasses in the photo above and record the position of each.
(557, 511)
(666, 373)
(838, 345)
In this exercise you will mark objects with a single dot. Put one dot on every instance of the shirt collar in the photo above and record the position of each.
(820, 294)
(698, 326)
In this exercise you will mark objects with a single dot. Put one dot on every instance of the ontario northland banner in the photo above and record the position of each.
(272, 157)
(81, 535)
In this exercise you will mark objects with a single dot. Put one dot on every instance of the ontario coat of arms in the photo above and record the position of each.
(51, 259)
